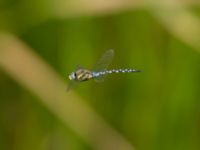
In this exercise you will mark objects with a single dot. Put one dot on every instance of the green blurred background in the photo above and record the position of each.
(157, 109)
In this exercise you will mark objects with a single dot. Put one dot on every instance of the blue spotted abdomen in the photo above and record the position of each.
(102, 73)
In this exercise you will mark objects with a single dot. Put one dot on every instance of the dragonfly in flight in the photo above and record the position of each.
(99, 70)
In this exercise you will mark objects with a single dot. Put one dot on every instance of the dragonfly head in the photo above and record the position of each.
(72, 76)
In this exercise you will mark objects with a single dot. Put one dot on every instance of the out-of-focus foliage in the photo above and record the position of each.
(157, 109)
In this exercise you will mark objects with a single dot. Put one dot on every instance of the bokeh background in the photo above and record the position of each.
(42, 41)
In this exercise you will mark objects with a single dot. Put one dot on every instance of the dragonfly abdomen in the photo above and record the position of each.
(102, 73)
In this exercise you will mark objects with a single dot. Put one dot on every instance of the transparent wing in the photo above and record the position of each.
(103, 63)
(71, 85)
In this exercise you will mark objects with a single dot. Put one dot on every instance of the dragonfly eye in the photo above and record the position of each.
(75, 75)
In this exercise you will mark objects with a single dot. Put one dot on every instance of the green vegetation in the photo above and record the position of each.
(41, 42)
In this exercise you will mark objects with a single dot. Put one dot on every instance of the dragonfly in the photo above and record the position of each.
(98, 72)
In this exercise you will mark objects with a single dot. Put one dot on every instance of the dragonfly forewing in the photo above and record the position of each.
(103, 63)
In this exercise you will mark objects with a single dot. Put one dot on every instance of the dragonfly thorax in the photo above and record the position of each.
(81, 75)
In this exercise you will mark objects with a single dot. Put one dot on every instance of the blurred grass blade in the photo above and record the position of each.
(176, 17)
(98, 7)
